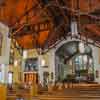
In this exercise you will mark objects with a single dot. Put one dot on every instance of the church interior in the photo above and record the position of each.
(49, 49)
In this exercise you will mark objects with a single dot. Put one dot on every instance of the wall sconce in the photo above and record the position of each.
(43, 63)
(24, 54)
(16, 63)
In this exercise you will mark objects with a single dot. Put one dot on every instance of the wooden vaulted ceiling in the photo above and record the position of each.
(40, 23)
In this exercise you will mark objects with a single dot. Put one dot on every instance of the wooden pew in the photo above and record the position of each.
(21, 91)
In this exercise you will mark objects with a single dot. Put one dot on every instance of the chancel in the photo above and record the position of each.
(49, 49)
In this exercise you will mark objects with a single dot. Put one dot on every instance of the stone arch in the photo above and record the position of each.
(63, 42)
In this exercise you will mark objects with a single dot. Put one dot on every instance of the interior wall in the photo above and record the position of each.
(48, 57)
(4, 58)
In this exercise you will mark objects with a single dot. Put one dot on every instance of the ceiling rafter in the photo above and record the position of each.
(58, 12)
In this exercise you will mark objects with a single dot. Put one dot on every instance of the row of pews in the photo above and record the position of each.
(73, 92)
(59, 91)
(21, 92)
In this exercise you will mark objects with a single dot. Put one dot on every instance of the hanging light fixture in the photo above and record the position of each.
(74, 28)
(81, 47)
(74, 23)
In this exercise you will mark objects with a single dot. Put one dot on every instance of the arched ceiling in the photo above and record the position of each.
(40, 23)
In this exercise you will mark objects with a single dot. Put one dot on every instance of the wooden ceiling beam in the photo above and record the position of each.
(33, 29)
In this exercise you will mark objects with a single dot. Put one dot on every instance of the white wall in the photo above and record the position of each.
(96, 55)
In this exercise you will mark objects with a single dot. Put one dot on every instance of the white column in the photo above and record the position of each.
(52, 63)
(40, 69)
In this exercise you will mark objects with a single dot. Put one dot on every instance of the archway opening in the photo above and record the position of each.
(73, 65)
